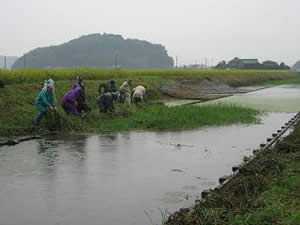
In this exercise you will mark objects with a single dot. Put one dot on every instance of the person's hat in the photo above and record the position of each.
(79, 77)
(50, 83)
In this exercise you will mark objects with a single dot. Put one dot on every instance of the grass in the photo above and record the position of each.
(17, 112)
(17, 99)
(266, 192)
(292, 80)
(232, 77)
(162, 118)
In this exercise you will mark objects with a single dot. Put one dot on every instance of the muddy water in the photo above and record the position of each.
(126, 179)
(116, 179)
(284, 98)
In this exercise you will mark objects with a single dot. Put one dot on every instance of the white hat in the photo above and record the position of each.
(50, 83)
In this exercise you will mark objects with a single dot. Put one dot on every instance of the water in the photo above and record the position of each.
(113, 180)
(284, 98)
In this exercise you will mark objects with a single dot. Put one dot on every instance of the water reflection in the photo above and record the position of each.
(115, 179)
(73, 146)
(48, 153)
(284, 98)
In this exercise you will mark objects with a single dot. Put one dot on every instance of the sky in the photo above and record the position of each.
(192, 30)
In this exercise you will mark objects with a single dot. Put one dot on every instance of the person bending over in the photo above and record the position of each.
(2, 85)
(45, 101)
(105, 101)
(82, 103)
(70, 101)
(125, 92)
(139, 93)
(107, 87)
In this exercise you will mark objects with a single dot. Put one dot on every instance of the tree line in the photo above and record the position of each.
(98, 51)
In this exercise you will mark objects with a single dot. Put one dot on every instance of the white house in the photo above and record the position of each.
(296, 67)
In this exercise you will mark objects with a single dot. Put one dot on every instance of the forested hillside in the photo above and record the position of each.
(98, 51)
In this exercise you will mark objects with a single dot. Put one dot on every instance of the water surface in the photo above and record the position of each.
(116, 179)
(111, 180)
(284, 98)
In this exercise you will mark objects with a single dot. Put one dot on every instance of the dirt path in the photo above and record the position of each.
(202, 89)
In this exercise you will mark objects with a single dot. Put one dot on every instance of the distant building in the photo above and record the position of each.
(296, 67)
(238, 63)
(196, 66)
(271, 65)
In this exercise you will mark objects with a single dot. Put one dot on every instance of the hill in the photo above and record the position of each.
(99, 51)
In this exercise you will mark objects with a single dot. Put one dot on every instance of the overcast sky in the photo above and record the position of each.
(190, 29)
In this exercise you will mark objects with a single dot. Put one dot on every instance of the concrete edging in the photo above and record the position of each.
(270, 142)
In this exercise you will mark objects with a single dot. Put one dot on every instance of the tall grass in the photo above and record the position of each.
(162, 118)
(17, 112)
(233, 77)
(18, 97)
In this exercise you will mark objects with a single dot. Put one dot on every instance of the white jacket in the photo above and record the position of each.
(139, 92)
(125, 88)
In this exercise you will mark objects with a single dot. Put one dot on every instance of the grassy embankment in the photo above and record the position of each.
(266, 192)
(231, 77)
(17, 110)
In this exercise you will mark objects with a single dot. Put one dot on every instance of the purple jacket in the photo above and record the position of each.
(72, 95)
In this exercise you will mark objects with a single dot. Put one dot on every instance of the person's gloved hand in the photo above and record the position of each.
(83, 115)
(52, 108)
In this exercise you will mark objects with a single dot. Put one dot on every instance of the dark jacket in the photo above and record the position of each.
(107, 87)
(2, 84)
(105, 102)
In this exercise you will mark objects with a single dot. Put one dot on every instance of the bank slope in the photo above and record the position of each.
(266, 192)
(17, 112)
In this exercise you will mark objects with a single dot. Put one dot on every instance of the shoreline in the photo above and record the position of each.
(247, 196)
(18, 100)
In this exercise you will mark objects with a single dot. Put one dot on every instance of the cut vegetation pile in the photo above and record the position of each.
(266, 192)
(197, 89)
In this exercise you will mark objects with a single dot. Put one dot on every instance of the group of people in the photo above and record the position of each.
(74, 101)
